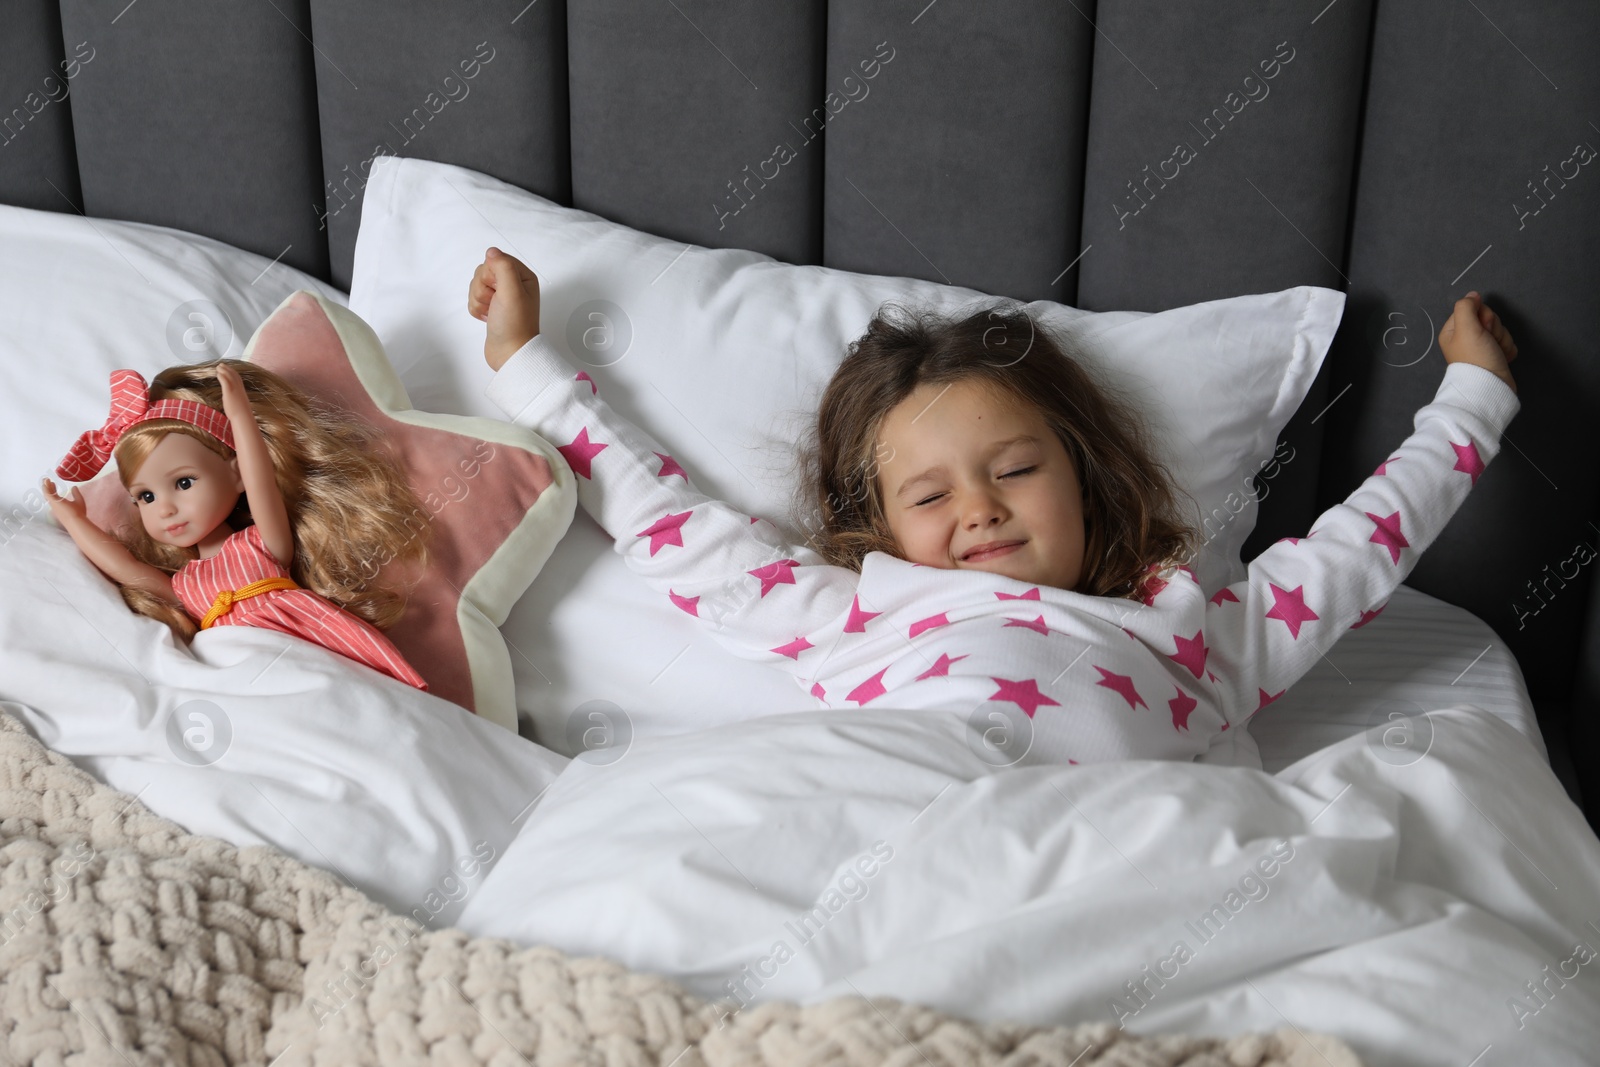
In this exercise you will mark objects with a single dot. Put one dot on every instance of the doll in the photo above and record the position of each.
(263, 513)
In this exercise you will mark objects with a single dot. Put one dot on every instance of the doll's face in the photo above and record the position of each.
(184, 491)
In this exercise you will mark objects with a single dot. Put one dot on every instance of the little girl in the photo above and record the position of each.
(995, 538)
(215, 543)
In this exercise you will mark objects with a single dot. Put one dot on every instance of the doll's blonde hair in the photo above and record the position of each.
(350, 506)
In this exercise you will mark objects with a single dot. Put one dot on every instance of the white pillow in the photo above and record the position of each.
(82, 297)
(721, 355)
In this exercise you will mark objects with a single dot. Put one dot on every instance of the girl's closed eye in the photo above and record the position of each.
(1008, 474)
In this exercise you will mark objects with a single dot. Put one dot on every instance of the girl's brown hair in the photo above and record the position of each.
(350, 506)
(1130, 500)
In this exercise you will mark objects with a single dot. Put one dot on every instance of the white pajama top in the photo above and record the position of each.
(1048, 675)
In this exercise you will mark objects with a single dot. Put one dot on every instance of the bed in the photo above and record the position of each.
(1435, 887)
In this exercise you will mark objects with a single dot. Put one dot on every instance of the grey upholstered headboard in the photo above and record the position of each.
(1136, 155)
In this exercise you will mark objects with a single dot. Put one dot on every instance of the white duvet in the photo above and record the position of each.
(1396, 892)
(1426, 892)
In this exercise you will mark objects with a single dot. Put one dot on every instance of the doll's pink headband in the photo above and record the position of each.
(130, 405)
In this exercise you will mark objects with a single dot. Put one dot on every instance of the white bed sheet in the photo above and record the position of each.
(1420, 653)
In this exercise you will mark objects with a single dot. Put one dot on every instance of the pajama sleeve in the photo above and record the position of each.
(1302, 594)
(761, 595)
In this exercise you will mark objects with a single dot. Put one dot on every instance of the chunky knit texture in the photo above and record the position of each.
(126, 941)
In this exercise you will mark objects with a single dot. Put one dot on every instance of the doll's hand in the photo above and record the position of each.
(504, 294)
(61, 507)
(233, 393)
(1474, 334)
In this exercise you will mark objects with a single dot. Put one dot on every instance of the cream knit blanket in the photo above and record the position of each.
(125, 941)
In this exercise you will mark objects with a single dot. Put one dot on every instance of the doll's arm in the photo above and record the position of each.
(255, 468)
(103, 550)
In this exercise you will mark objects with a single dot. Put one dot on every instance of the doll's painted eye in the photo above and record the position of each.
(185, 478)
(144, 496)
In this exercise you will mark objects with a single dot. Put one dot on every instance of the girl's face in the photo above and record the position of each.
(184, 491)
(974, 480)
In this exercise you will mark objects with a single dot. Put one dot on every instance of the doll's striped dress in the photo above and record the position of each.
(243, 559)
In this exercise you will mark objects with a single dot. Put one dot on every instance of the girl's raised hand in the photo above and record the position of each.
(1474, 334)
(504, 294)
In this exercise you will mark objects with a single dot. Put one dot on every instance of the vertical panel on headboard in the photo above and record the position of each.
(480, 86)
(200, 116)
(1222, 143)
(38, 75)
(1221, 147)
(954, 142)
(677, 109)
(1479, 171)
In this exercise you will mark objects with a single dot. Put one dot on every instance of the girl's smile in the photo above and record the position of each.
(976, 480)
(991, 550)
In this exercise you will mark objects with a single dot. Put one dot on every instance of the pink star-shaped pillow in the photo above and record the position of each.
(501, 497)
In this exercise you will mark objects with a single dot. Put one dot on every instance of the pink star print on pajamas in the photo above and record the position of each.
(1468, 460)
(858, 619)
(1368, 616)
(669, 467)
(1388, 534)
(1191, 652)
(580, 452)
(1123, 684)
(775, 574)
(1291, 607)
(1181, 706)
(867, 690)
(793, 648)
(1024, 694)
(941, 667)
(667, 530)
